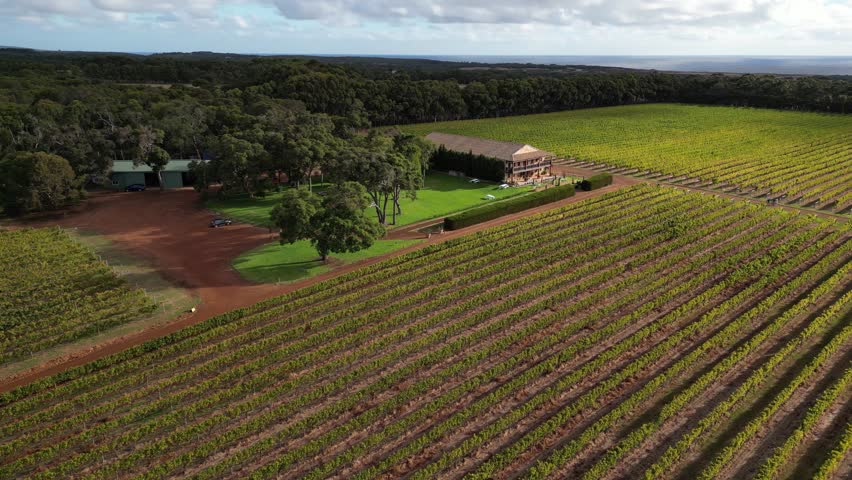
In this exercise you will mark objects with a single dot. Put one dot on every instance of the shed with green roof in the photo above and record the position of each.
(175, 175)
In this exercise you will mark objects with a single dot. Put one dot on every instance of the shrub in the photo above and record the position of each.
(513, 205)
(596, 181)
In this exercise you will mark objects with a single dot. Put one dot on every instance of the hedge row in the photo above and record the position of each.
(477, 166)
(596, 181)
(513, 205)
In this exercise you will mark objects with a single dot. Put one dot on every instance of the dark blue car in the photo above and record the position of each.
(136, 187)
(219, 222)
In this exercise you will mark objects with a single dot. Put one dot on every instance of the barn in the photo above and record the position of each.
(522, 162)
(175, 175)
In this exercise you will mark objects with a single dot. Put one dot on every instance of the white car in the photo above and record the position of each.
(490, 197)
(504, 186)
(474, 180)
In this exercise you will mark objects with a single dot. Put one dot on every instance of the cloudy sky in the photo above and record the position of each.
(430, 27)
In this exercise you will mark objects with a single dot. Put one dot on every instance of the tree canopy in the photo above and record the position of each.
(263, 122)
(39, 181)
(91, 108)
(333, 223)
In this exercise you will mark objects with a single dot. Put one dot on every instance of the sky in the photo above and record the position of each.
(434, 27)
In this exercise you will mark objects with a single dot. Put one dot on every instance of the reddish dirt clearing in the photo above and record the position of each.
(171, 230)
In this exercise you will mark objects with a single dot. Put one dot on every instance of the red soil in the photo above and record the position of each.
(171, 230)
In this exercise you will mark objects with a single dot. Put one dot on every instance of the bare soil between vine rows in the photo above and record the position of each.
(170, 229)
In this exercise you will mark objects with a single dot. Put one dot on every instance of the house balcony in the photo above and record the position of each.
(531, 167)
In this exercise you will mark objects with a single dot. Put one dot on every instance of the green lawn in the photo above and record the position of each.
(442, 195)
(285, 263)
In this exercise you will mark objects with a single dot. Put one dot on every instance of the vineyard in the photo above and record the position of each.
(647, 332)
(761, 153)
(54, 290)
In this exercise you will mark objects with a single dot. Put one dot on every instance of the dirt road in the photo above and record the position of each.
(171, 230)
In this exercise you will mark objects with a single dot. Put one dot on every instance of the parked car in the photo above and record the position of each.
(489, 197)
(503, 186)
(135, 187)
(219, 222)
(474, 180)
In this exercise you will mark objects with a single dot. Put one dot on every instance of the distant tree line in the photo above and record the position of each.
(266, 121)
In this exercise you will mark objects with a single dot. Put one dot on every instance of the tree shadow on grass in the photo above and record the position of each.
(281, 271)
(442, 182)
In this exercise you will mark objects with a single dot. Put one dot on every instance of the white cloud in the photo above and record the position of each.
(241, 22)
(42, 7)
(560, 12)
(536, 25)
(95, 8)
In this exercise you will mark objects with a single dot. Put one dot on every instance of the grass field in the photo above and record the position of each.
(54, 290)
(807, 156)
(274, 263)
(649, 332)
(442, 195)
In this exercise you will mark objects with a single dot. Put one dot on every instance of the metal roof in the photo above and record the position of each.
(507, 151)
(126, 166)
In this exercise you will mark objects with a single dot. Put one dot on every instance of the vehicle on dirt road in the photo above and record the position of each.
(219, 222)
(136, 187)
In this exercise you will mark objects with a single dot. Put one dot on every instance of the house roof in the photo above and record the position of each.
(507, 151)
(126, 166)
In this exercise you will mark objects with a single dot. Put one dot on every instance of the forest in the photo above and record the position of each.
(261, 120)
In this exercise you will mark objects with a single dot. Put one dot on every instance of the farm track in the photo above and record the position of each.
(251, 293)
(479, 356)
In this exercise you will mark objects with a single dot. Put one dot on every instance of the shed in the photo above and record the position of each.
(175, 175)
